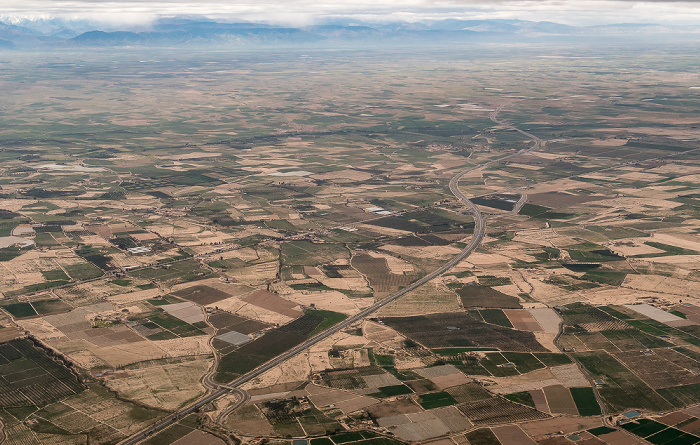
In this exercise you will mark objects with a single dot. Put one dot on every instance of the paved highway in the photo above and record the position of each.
(242, 399)
(479, 230)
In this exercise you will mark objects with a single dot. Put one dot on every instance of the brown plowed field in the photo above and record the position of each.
(459, 329)
(202, 295)
(523, 320)
(475, 295)
(272, 302)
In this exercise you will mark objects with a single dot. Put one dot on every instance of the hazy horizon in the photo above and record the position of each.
(303, 13)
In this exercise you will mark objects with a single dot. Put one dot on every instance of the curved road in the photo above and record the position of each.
(479, 231)
(242, 399)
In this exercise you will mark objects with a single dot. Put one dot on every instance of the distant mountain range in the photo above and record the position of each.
(179, 31)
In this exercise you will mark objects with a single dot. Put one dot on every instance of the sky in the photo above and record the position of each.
(304, 12)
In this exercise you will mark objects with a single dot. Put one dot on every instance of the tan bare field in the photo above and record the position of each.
(330, 300)
(633, 246)
(544, 237)
(435, 252)
(165, 386)
(427, 299)
(664, 285)
(539, 429)
(379, 333)
(683, 240)
(526, 382)
(113, 356)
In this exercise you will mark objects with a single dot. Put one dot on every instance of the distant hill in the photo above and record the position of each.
(201, 33)
(195, 31)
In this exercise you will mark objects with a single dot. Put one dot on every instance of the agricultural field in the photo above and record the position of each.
(30, 377)
(462, 330)
(172, 220)
(273, 343)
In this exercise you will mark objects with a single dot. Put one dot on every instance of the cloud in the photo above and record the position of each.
(575, 12)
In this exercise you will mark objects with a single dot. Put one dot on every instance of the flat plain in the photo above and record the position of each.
(171, 220)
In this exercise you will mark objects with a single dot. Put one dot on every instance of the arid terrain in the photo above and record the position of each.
(170, 221)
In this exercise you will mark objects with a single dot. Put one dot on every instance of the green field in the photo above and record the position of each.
(19, 310)
(45, 307)
(621, 390)
(523, 397)
(173, 327)
(495, 316)
(681, 396)
(394, 390)
(29, 377)
(436, 400)
(586, 402)
(330, 318)
(83, 271)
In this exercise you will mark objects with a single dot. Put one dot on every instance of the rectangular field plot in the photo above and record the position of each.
(380, 380)
(45, 307)
(171, 327)
(345, 401)
(392, 390)
(586, 402)
(621, 389)
(482, 436)
(495, 316)
(111, 336)
(187, 312)
(632, 339)
(477, 296)
(523, 362)
(460, 329)
(553, 358)
(683, 395)
(498, 411)
(659, 434)
(225, 321)
(182, 271)
(570, 375)
(234, 338)
(436, 400)
(272, 302)
(590, 318)
(498, 365)
(202, 295)
(28, 376)
(559, 400)
(306, 253)
(522, 319)
(344, 379)
(198, 437)
(19, 310)
(656, 371)
(426, 425)
(512, 435)
(547, 318)
(445, 376)
(654, 313)
(470, 392)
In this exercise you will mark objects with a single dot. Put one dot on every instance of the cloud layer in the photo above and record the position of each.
(299, 12)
